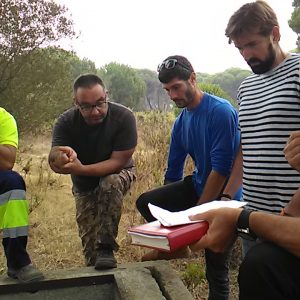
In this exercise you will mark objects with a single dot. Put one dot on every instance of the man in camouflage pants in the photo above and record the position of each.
(98, 212)
(94, 142)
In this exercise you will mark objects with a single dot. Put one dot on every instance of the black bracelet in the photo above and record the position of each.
(225, 196)
(242, 225)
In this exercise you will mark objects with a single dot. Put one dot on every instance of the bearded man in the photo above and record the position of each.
(207, 130)
(268, 111)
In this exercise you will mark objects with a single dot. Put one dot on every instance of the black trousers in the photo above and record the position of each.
(15, 252)
(179, 196)
(12, 186)
(174, 197)
(269, 272)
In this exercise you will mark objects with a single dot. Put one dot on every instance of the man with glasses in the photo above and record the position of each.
(94, 142)
(207, 130)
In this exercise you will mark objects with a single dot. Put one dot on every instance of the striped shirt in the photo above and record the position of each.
(269, 111)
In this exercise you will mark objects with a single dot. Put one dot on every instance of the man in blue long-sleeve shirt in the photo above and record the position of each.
(207, 130)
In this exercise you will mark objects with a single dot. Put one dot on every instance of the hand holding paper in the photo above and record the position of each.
(168, 218)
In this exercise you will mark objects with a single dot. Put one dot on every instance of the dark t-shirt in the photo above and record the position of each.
(95, 143)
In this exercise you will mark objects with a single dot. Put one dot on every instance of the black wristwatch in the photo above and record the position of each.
(242, 225)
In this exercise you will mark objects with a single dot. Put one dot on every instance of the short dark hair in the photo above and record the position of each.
(254, 17)
(182, 69)
(87, 80)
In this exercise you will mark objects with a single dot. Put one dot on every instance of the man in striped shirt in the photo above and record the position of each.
(268, 111)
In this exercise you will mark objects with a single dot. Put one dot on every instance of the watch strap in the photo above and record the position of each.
(227, 196)
(242, 225)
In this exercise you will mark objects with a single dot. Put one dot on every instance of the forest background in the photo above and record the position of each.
(36, 77)
(36, 74)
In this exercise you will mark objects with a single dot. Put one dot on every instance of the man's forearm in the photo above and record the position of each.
(102, 168)
(236, 177)
(282, 231)
(7, 157)
(67, 162)
(212, 188)
(114, 164)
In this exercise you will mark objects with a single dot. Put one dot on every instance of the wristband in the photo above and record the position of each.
(242, 225)
(225, 196)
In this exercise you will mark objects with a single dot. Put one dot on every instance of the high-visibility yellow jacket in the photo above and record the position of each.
(13, 204)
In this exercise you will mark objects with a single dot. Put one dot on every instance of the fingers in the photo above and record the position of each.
(200, 216)
(221, 229)
(64, 159)
(73, 156)
(295, 162)
(294, 134)
(69, 153)
(65, 149)
(293, 141)
(55, 168)
(63, 169)
(201, 244)
(292, 150)
(292, 146)
(195, 217)
(205, 241)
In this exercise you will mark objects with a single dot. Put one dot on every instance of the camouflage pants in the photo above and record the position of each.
(98, 213)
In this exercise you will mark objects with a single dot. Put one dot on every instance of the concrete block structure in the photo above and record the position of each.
(133, 281)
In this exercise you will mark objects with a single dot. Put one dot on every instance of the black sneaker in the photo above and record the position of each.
(28, 273)
(105, 259)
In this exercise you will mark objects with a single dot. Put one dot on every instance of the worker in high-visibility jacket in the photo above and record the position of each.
(14, 220)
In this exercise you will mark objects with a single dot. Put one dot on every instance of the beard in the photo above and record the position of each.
(188, 97)
(262, 66)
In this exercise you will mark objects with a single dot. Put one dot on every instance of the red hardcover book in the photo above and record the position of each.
(154, 235)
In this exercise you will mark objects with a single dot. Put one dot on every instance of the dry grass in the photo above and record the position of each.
(54, 242)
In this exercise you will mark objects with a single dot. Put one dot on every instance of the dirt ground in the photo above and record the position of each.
(53, 240)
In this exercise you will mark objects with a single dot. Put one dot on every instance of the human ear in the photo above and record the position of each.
(193, 79)
(276, 34)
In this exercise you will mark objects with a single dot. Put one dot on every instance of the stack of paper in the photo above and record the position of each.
(168, 218)
(174, 230)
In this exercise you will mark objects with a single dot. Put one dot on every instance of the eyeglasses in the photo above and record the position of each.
(88, 108)
(170, 64)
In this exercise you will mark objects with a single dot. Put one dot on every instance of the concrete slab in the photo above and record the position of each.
(134, 281)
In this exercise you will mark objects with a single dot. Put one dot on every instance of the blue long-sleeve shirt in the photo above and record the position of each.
(210, 135)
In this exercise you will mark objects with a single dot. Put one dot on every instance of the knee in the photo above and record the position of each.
(10, 180)
(248, 266)
(142, 202)
(257, 259)
(110, 182)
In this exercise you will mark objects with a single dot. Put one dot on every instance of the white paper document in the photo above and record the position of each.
(168, 218)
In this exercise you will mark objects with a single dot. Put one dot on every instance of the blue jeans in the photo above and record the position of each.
(217, 267)
(179, 196)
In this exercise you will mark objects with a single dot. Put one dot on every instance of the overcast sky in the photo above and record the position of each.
(142, 33)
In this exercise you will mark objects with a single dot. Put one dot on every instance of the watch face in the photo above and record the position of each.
(245, 234)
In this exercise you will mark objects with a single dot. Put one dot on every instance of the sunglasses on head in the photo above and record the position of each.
(170, 64)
